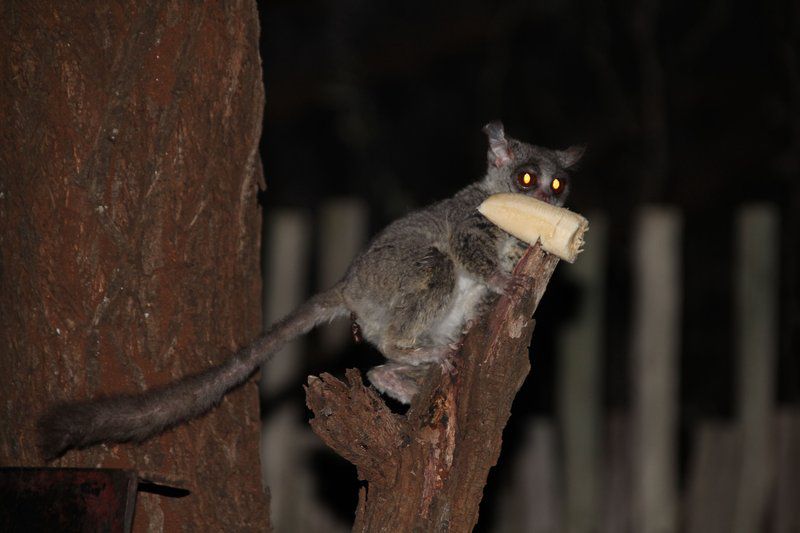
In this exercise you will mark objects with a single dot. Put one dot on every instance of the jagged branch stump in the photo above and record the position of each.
(425, 471)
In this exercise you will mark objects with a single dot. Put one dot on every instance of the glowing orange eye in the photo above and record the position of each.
(526, 180)
(556, 185)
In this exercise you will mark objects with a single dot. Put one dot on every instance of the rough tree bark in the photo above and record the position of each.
(130, 232)
(426, 470)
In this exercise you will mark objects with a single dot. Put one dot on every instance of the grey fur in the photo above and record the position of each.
(412, 291)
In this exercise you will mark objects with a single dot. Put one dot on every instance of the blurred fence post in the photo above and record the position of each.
(787, 483)
(579, 390)
(530, 502)
(615, 516)
(713, 476)
(756, 340)
(343, 230)
(654, 375)
(285, 259)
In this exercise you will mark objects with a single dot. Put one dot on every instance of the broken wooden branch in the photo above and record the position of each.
(425, 470)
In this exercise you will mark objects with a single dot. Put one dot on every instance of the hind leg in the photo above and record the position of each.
(416, 311)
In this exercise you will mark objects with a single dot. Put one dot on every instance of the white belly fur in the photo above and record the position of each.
(467, 295)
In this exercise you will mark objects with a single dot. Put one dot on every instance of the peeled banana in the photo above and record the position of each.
(558, 229)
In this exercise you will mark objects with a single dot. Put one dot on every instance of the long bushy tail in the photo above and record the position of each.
(137, 417)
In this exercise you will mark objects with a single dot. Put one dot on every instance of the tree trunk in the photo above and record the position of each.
(130, 234)
(426, 470)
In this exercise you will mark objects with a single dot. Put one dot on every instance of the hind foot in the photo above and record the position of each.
(397, 380)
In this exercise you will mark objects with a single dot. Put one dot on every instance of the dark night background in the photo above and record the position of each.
(690, 104)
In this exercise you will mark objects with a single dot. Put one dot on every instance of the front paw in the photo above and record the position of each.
(509, 285)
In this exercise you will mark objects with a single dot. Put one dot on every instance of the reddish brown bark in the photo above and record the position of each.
(426, 470)
(130, 233)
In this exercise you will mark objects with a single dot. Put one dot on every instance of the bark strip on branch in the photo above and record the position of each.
(426, 470)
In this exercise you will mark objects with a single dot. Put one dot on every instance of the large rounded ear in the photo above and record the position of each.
(498, 145)
(571, 156)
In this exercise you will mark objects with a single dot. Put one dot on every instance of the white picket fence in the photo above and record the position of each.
(586, 470)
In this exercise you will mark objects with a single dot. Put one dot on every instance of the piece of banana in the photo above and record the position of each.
(528, 219)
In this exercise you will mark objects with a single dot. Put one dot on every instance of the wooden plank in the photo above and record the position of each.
(713, 477)
(579, 386)
(67, 499)
(756, 329)
(654, 359)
